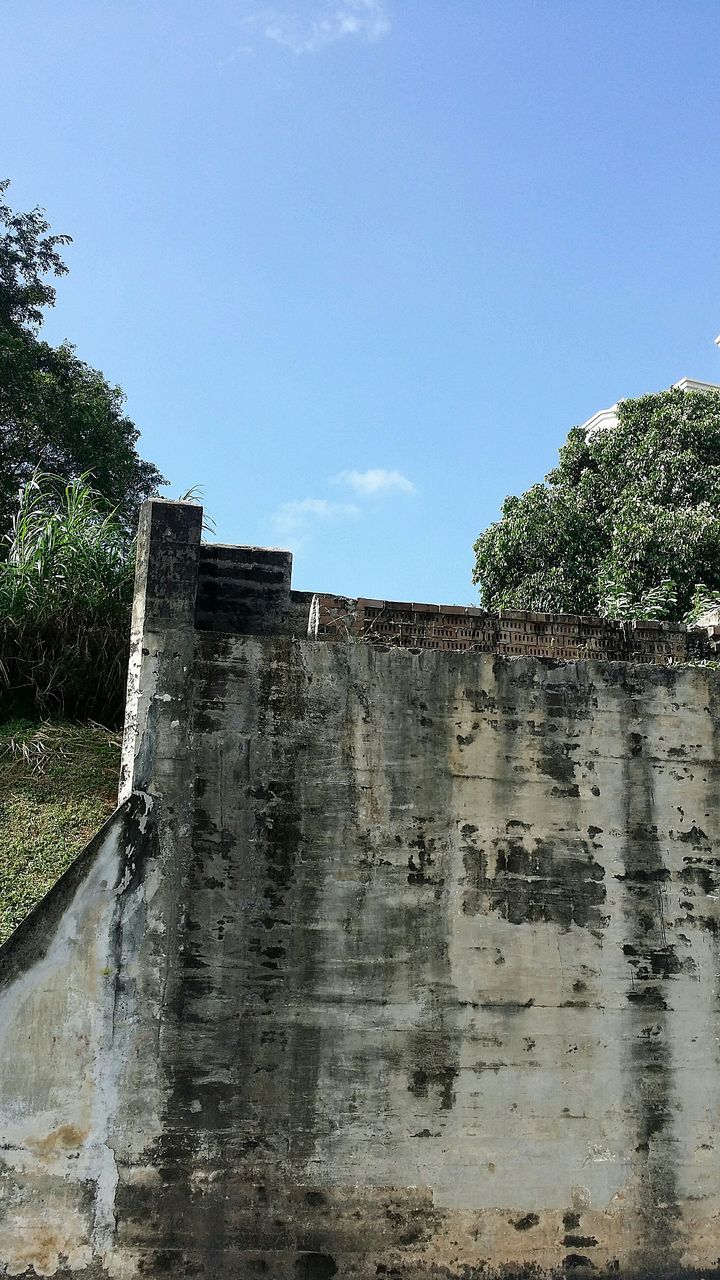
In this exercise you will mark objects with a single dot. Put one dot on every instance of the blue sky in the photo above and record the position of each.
(359, 265)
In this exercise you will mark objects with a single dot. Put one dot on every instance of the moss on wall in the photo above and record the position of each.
(58, 784)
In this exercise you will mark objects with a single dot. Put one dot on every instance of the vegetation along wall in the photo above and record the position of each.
(394, 962)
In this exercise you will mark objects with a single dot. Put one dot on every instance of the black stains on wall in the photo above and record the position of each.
(315, 1266)
(436, 1079)
(652, 965)
(421, 861)
(531, 880)
(557, 762)
(526, 1222)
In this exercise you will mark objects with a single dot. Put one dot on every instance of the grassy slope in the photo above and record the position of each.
(58, 784)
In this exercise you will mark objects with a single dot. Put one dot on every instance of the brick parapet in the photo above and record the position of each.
(247, 591)
(512, 632)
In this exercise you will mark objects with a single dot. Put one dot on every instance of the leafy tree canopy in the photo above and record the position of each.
(626, 525)
(57, 414)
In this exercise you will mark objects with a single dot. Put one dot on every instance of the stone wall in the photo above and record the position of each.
(406, 966)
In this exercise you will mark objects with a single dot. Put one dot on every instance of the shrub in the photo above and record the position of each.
(66, 588)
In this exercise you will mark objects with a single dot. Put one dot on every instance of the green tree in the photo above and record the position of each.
(57, 414)
(627, 524)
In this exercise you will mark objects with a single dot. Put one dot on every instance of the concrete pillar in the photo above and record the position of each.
(156, 741)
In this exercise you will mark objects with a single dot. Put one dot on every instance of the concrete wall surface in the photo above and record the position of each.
(420, 983)
(69, 995)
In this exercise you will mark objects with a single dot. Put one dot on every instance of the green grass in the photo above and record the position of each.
(58, 784)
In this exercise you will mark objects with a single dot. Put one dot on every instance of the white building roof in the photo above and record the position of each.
(604, 419)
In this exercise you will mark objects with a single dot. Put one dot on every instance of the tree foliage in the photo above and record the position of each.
(626, 525)
(56, 412)
(27, 255)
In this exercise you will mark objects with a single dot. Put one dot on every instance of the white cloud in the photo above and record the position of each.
(293, 521)
(334, 20)
(296, 522)
(377, 480)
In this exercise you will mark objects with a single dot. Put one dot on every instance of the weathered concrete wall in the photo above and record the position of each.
(450, 964)
(68, 1006)
(244, 589)
(422, 983)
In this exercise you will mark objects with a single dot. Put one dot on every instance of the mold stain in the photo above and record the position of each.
(437, 1078)
(315, 1266)
(530, 880)
(652, 964)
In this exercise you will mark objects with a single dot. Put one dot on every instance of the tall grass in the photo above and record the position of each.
(66, 581)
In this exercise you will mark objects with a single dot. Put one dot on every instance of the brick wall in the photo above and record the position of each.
(512, 631)
(246, 591)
